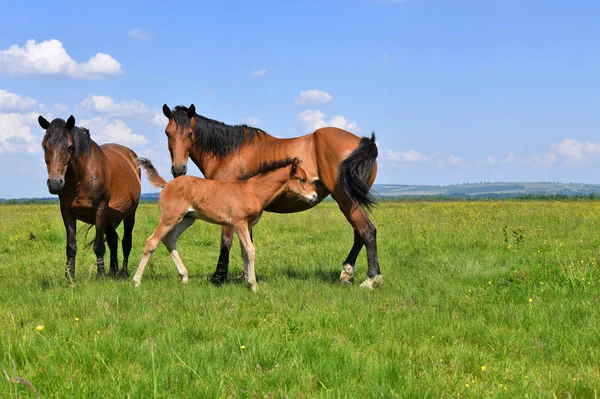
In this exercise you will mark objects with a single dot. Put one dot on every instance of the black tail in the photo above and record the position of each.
(356, 170)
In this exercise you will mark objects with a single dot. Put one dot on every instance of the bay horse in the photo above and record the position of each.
(238, 204)
(337, 162)
(99, 185)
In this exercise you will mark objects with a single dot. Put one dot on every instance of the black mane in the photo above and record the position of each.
(56, 137)
(213, 137)
(267, 167)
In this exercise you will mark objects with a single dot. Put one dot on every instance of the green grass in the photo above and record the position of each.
(485, 299)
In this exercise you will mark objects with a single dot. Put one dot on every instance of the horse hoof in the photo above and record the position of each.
(100, 276)
(253, 287)
(184, 280)
(374, 282)
(218, 279)
(136, 283)
(124, 275)
(347, 275)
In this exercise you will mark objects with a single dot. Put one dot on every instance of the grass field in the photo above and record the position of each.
(481, 299)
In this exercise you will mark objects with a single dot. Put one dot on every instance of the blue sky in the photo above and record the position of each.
(495, 90)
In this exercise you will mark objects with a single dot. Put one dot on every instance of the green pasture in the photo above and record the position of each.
(479, 299)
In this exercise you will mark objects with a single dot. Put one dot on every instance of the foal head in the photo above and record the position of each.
(62, 142)
(180, 136)
(299, 184)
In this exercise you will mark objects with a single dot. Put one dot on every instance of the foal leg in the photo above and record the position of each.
(170, 241)
(99, 248)
(347, 274)
(71, 228)
(151, 244)
(128, 224)
(367, 232)
(248, 254)
(222, 270)
(113, 242)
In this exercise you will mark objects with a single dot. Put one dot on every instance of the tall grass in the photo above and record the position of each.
(495, 299)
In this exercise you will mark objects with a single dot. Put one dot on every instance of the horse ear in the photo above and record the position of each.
(167, 112)
(70, 122)
(295, 163)
(191, 111)
(43, 122)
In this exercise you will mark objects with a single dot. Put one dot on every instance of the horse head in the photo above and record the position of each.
(180, 135)
(58, 148)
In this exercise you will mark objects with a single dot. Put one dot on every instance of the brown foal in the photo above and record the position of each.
(238, 204)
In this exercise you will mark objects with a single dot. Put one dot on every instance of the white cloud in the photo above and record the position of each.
(544, 162)
(311, 120)
(116, 131)
(50, 58)
(14, 102)
(411, 156)
(454, 160)
(313, 97)
(107, 105)
(491, 160)
(576, 152)
(16, 133)
(140, 34)
(251, 121)
(259, 72)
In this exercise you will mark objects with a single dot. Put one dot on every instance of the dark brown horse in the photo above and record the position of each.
(336, 161)
(99, 185)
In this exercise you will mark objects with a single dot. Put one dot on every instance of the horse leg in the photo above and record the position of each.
(170, 241)
(347, 274)
(248, 255)
(367, 232)
(113, 243)
(151, 243)
(128, 224)
(99, 247)
(222, 270)
(71, 228)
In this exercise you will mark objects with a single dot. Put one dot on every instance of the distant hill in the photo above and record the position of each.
(489, 190)
(539, 190)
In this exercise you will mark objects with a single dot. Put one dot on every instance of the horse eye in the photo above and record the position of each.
(303, 181)
(70, 148)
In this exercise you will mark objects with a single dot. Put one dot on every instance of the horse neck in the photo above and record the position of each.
(79, 168)
(268, 186)
(209, 164)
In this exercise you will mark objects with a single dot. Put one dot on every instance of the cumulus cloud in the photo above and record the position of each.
(313, 97)
(411, 156)
(16, 132)
(14, 102)
(311, 120)
(107, 105)
(103, 130)
(259, 72)
(139, 34)
(576, 152)
(50, 58)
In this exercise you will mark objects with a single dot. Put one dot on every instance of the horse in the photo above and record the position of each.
(98, 185)
(238, 204)
(337, 162)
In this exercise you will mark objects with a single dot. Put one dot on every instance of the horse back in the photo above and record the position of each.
(125, 184)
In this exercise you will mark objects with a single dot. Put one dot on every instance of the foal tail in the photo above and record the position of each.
(356, 170)
(154, 178)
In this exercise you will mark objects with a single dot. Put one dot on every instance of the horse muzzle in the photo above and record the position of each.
(178, 170)
(55, 186)
(312, 199)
